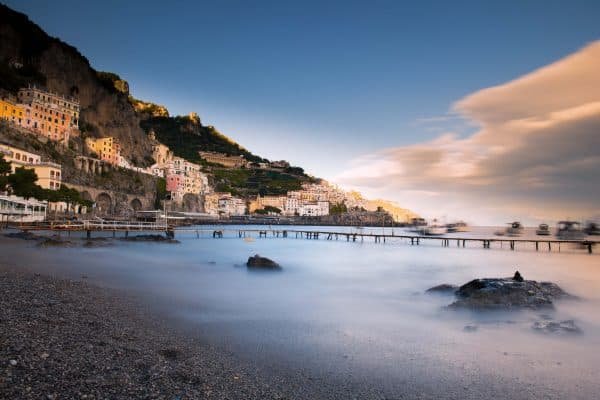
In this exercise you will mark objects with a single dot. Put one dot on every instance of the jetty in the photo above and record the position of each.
(220, 232)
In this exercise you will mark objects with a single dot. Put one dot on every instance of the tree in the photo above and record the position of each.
(4, 171)
(338, 208)
(271, 209)
(22, 183)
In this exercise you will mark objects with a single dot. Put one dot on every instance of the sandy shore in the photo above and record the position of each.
(61, 339)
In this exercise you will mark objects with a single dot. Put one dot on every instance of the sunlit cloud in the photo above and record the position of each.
(535, 154)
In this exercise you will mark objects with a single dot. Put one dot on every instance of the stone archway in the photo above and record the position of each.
(104, 203)
(135, 204)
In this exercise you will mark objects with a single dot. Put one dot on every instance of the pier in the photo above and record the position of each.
(510, 243)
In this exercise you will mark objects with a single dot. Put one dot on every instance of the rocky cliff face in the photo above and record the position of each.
(29, 55)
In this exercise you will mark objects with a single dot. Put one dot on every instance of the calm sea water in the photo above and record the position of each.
(357, 312)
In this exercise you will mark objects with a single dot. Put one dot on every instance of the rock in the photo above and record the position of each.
(55, 241)
(261, 262)
(13, 362)
(517, 277)
(554, 327)
(443, 288)
(507, 293)
(470, 328)
(149, 238)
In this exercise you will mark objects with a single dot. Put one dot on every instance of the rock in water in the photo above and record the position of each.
(502, 293)
(443, 288)
(261, 262)
(517, 277)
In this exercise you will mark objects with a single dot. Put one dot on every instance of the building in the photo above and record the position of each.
(49, 174)
(313, 209)
(262, 201)
(162, 154)
(229, 205)
(15, 155)
(282, 164)
(10, 111)
(223, 203)
(292, 204)
(223, 159)
(49, 114)
(107, 149)
(15, 208)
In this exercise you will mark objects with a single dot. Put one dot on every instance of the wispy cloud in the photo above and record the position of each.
(536, 150)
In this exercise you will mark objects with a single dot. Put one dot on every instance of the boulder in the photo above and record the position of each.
(261, 262)
(443, 288)
(503, 293)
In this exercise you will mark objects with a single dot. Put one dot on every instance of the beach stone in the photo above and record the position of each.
(261, 262)
(443, 288)
(557, 327)
(506, 293)
(13, 362)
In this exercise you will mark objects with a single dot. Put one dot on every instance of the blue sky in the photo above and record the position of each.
(319, 83)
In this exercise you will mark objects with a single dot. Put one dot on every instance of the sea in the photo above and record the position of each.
(357, 312)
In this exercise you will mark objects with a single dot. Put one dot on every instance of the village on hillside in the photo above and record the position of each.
(53, 119)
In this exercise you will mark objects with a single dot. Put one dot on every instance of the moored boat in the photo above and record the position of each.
(569, 230)
(592, 228)
(459, 226)
(543, 230)
(515, 229)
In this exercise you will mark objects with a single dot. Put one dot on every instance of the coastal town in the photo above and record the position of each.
(54, 119)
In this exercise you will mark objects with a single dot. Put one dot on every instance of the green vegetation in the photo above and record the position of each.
(338, 208)
(161, 192)
(112, 82)
(22, 183)
(4, 171)
(248, 182)
(186, 136)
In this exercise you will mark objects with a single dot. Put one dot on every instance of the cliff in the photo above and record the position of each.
(29, 56)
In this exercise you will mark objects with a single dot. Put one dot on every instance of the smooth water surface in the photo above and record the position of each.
(358, 312)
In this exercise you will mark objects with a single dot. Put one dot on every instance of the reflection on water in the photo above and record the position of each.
(357, 311)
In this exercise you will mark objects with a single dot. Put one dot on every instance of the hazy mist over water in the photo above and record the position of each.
(358, 312)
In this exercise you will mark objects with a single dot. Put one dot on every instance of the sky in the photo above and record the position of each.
(419, 102)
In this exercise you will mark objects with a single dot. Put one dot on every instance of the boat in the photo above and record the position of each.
(543, 230)
(515, 229)
(433, 230)
(569, 230)
(459, 226)
(592, 228)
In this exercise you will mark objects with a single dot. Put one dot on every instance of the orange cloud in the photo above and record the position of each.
(537, 151)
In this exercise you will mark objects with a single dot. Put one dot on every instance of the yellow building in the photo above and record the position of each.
(11, 111)
(49, 175)
(108, 149)
(223, 159)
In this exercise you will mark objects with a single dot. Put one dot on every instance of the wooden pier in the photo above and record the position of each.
(98, 226)
(512, 243)
(414, 240)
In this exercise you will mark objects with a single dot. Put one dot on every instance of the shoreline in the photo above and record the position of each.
(70, 339)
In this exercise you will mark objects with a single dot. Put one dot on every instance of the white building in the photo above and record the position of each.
(313, 209)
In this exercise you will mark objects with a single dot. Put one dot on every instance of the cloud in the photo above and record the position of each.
(535, 154)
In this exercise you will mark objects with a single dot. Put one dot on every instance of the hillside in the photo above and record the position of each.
(29, 56)
(186, 135)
